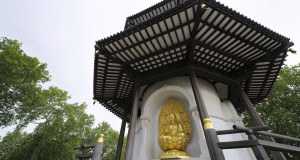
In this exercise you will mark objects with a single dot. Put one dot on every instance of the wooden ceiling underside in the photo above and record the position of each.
(175, 34)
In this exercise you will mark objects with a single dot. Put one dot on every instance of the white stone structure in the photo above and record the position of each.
(222, 114)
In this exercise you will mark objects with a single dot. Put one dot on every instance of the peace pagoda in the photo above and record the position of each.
(181, 73)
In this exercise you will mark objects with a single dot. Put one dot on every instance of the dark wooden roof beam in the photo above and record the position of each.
(250, 23)
(274, 54)
(214, 75)
(191, 45)
(275, 76)
(223, 36)
(157, 10)
(178, 45)
(118, 86)
(126, 69)
(156, 20)
(234, 36)
(161, 34)
(222, 52)
(233, 45)
(244, 71)
(163, 73)
(246, 51)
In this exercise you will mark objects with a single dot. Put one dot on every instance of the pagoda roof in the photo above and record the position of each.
(176, 34)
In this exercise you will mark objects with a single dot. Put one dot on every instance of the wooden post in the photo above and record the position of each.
(98, 148)
(134, 112)
(121, 136)
(215, 152)
(256, 118)
(258, 150)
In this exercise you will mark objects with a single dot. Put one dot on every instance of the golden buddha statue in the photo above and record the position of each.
(174, 130)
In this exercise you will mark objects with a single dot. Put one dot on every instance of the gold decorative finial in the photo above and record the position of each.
(101, 138)
(292, 50)
(203, 6)
(207, 124)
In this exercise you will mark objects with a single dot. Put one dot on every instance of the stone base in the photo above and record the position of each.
(173, 154)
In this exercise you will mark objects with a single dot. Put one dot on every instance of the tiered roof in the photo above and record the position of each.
(175, 34)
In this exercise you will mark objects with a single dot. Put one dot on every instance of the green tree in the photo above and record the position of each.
(56, 139)
(11, 142)
(60, 125)
(282, 109)
(110, 140)
(21, 77)
(64, 127)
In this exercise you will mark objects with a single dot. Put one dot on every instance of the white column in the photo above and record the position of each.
(145, 121)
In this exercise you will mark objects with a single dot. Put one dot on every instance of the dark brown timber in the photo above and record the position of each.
(121, 136)
(215, 152)
(256, 118)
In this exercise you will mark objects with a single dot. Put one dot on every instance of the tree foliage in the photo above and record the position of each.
(61, 126)
(56, 141)
(11, 142)
(21, 77)
(282, 109)
(64, 127)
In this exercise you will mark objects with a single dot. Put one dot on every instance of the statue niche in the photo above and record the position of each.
(175, 130)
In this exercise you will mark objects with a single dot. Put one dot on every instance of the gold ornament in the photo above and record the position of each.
(101, 138)
(175, 130)
(207, 124)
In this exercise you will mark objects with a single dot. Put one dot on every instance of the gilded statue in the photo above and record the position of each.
(175, 130)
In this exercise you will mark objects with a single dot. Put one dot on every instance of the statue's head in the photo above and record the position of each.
(172, 118)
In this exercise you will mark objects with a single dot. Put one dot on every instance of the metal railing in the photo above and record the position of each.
(258, 146)
(82, 155)
(96, 150)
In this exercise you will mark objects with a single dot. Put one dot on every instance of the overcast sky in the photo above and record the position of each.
(62, 33)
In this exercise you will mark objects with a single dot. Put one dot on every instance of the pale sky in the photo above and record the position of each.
(62, 33)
